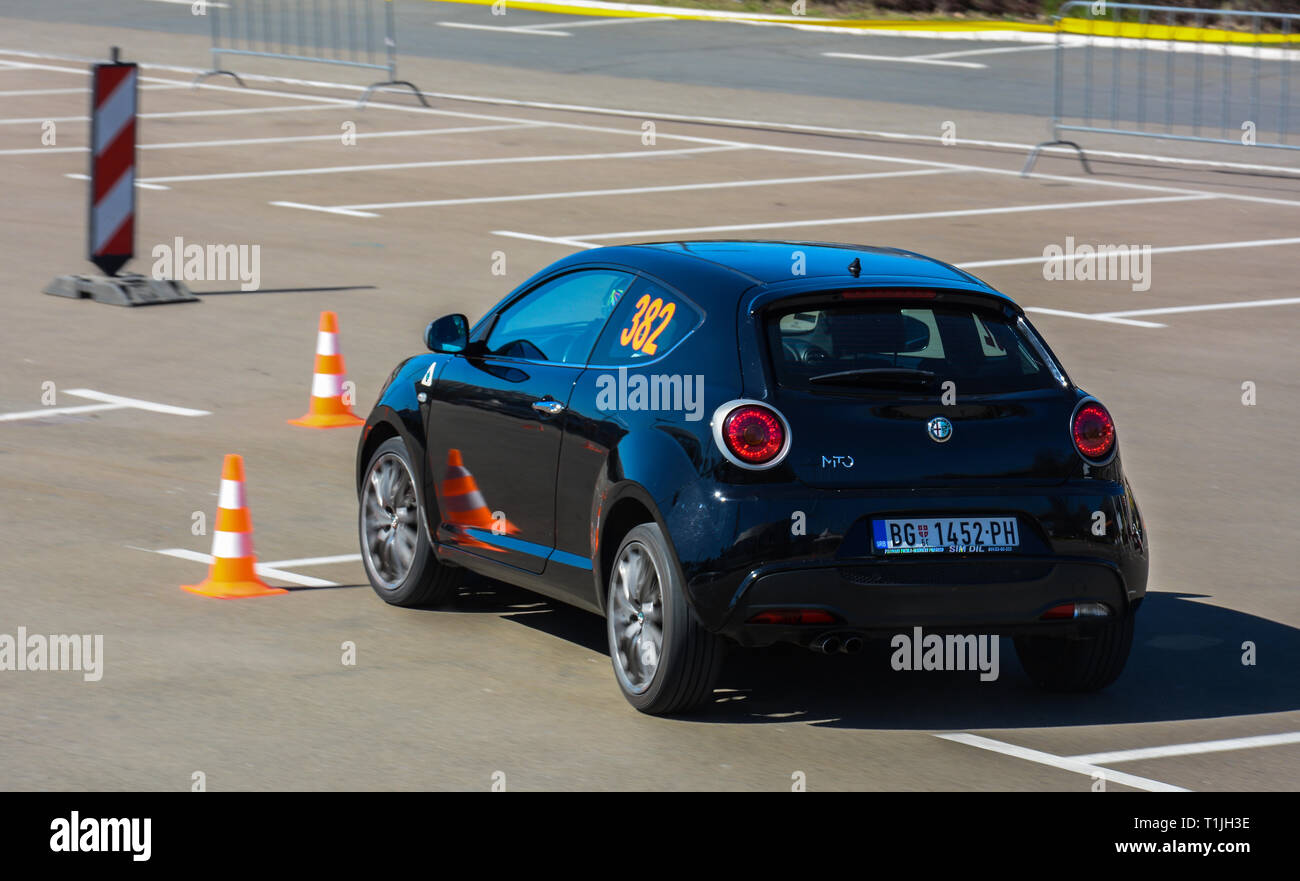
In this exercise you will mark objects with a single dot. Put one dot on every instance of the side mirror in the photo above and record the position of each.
(449, 334)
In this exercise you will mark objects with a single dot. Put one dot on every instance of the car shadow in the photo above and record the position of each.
(1186, 663)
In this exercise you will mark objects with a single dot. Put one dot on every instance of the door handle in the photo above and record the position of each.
(548, 406)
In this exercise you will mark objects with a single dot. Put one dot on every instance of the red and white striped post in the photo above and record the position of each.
(112, 165)
(110, 222)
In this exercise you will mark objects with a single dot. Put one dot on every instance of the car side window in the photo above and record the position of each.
(649, 321)
(559, 320)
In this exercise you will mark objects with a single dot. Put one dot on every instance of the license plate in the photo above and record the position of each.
(961, 535)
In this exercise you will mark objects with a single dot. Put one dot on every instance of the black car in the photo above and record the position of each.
(740, 442)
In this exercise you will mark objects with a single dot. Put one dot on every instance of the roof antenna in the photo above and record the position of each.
(855, 268)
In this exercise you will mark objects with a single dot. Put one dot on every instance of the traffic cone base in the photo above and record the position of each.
(232, 590)
(327, 420)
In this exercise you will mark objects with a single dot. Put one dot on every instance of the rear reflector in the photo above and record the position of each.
(793, 616)
(1076, 610)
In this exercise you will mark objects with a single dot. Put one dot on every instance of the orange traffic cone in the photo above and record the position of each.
(328, 409)
(232, 575)
(464, 505)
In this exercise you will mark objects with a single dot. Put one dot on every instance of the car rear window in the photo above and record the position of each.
(901, 348)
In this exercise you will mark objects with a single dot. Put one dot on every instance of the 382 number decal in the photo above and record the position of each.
(641, 335)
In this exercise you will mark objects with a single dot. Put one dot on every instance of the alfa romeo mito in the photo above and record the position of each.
(739, 443)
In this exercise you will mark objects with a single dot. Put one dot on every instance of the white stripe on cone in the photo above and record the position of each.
(232, 544)
(327, 343)
(326, 385)
(231, 496)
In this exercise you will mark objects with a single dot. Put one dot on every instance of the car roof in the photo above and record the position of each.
(770, 264)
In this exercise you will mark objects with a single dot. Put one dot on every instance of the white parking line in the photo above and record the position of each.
(316, 561)
(549, 30)
(1110, 319)
(46, 412)
(1066, 764)
(81, 91)
(550, 240)
(135, 403)
(1204, 307)
(141, 184)
(883, 218)
(440, 163)
(916, 59)
(1170, 249)
(998, 51)
(174, 114)
(288, 139)
(109, 402)
(1188, 749)
(502, 29)
(348, 212)
(619, 191)
(264, 570)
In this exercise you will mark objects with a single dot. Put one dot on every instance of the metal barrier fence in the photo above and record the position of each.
(340, 32)
(1169, 72)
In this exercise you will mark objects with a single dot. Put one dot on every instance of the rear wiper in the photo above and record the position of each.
(876, 376)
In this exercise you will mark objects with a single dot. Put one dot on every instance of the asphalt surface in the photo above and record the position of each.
(254, 693)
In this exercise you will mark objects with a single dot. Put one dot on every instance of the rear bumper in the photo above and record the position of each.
(968, 596)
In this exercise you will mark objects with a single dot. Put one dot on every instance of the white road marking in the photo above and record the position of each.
(140, 184)
(261, 569)
(1062, 762)
(109, 402)
(32, 151)
(289, 139)
(212, 4)
(439, 163)
(1204, 307)
(1087, 317)
(172, 114)
(1169, 249)
(999, 51)
(884, 218)
(316, 561)
(550, 240)
(916, 59)
(503, 29)
(135, 402)
(597, 22)
(57, 411)
(625, 191)
(293, 139)
(325, 208)
(1188, 749)
(80, 91)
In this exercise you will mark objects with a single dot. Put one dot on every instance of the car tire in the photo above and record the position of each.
(686, 659)
(395, 547)
(1077, 664)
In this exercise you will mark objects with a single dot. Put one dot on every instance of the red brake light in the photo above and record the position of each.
(1093, 430)
(889, 294)
(753, 434)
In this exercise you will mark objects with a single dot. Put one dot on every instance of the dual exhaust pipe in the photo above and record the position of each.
(831, 643)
